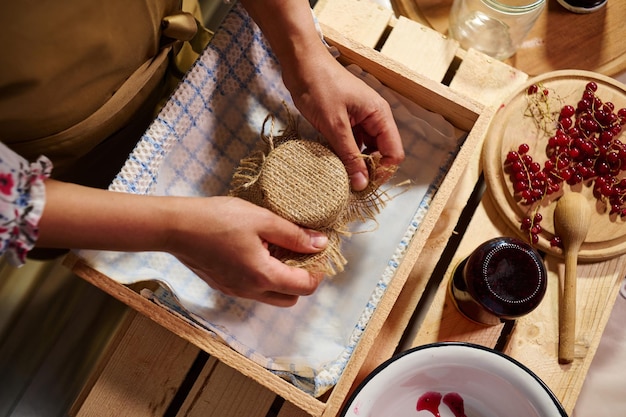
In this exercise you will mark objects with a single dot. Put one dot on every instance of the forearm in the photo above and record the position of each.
(80, 217)
(290, 30)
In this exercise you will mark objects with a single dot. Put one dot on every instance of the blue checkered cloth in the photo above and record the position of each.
(210, 123)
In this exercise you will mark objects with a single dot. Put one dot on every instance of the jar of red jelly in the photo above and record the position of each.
(503, 279)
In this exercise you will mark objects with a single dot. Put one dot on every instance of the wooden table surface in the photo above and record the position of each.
(422, 313)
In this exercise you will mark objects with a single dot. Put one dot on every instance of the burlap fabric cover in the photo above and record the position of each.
(305, 182)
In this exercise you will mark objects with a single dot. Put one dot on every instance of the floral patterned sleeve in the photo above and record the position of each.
(22, 198)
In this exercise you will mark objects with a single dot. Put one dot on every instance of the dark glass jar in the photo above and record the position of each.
(503, 279)
(582, 6)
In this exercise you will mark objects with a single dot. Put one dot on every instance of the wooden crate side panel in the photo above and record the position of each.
(440, 321)
(361, 20)
(142, 375)
(221, 391)
(420, 48)
(423, 51)
(404, 318)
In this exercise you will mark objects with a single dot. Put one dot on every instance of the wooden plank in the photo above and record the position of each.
(221, 391)
(420, 48)
(486, 79)
(117, 337)
(402, 320)
(559, 39)
(142, 375)
(361, 20)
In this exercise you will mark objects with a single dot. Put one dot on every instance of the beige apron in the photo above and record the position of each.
(81, 78)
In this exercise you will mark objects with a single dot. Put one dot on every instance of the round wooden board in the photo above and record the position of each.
(558, 40)
(510, 127)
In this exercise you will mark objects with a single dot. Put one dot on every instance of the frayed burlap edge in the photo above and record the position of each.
(361, 206)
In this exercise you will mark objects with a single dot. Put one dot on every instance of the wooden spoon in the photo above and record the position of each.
(571, 222)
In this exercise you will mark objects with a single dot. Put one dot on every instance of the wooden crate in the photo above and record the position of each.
(432, 71)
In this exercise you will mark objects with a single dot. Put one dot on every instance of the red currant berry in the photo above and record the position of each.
(523, 148)
(568, 111)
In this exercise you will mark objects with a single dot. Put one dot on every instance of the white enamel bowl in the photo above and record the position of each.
(489, 384)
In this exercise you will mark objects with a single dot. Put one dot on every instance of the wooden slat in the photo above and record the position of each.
(221, 391)
(402, 319)
(486, 79)
(411, 258)
(143, 373)
(420, 48)
(363, 21)
(461, 110)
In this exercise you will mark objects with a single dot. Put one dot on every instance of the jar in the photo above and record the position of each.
(503, 279)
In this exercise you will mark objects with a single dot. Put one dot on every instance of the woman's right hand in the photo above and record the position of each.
(224, 240)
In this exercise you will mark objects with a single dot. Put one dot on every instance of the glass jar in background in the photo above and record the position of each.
(583, 6)
(493, 27)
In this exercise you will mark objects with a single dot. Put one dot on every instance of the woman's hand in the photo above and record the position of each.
(224, 240)
(353, 117)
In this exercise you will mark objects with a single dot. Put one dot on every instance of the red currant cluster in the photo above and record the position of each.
(584, 148)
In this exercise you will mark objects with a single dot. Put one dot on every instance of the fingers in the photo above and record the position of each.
(289, 285)
(289, 236)
(348, 151)
(282, 285)
(382, 127)
(376, 131)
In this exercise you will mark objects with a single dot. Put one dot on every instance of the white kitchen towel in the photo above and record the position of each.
(214, 119)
